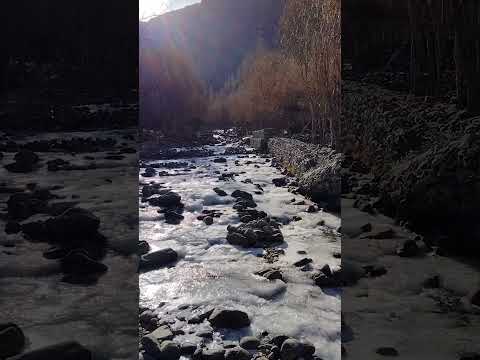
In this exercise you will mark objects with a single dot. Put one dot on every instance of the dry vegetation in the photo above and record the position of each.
(295, 86)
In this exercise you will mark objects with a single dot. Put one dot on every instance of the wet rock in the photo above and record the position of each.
(296, 218)
(151, 189)
(20, 206)
(172, 217)
(271, 274)
(148, 320)
(12, 340)
(278, 340)
(279, 182)
(80, 263)
(242, 194)
(143, 248)
(75, 223)
(158, 259)
(162, 333)
(249, 343)
(213, 354)
(387, 351)
(187, 348)
(199, 318)
(66, 350)
(291, 349)
(149, 172)
(303, 262)
(25, 161)
(237, 353)
(230, 319)
(237, 239)
(220, 192)
(169, 199)
(208, 220)
(220, 160)
(312, 209)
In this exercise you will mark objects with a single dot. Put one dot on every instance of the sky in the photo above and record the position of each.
(150, 8)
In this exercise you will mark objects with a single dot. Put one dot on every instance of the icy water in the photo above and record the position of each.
(212, 272)
(103, 316)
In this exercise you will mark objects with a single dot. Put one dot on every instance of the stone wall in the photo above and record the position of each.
(317, 168)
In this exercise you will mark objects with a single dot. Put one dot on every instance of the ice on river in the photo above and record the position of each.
(212, 272)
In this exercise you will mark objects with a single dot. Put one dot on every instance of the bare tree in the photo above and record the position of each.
(310, 34)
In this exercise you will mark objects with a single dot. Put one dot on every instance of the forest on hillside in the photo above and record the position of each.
(292, 83)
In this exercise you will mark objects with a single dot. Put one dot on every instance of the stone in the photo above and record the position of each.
(230, 319)
(162, 333)
(242, 195)
(208, 220)
(169, 350)
(158, 259)
(25, 161)
(283, 181)
(74, 223)
(249, 343)
(387, 351)
(220, 160)
(12, 340)
(169, 199)
(291, 349)
(220, 192)
(234, 238)
(187, 348)
(80, 263)
(149, 172)
(237, 353)
(302, 262)
(213, 354)
(172, 217)
(143, 248)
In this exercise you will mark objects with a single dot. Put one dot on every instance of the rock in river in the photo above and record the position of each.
(230, 319)
(158, 259)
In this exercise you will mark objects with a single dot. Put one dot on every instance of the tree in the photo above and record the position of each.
(310, 34)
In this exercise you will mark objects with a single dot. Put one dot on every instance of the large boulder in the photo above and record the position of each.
(229, 319)
(25, 161)
(158, 259)
(74, 223)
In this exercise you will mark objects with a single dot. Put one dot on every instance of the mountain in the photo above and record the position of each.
(215, 35)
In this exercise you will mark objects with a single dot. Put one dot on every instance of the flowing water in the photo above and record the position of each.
(211, 272)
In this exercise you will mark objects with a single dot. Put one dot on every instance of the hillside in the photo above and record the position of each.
(214, 35)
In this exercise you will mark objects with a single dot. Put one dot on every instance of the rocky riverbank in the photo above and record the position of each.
(236, 263)
(317, 169)
(423, 154)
